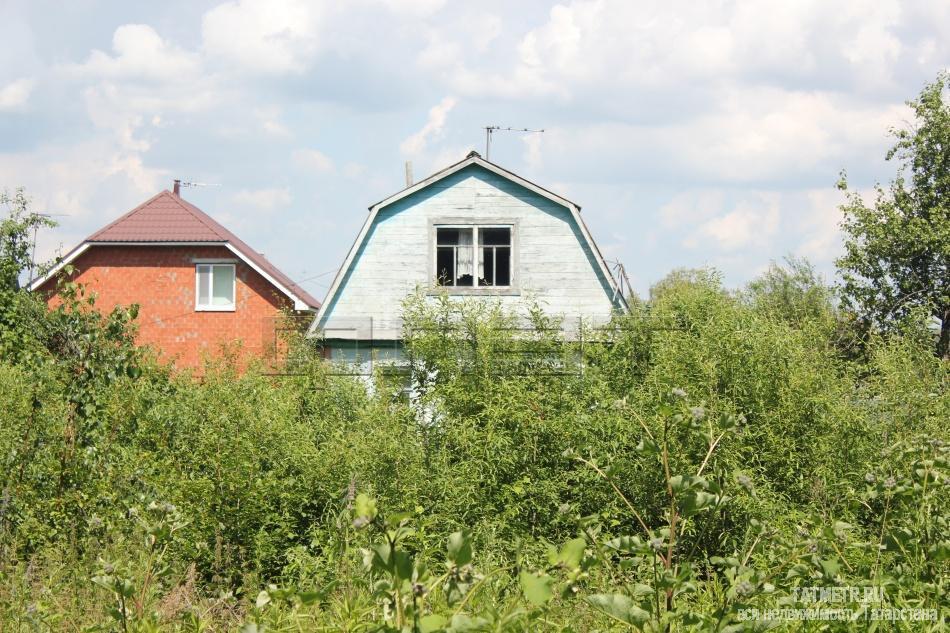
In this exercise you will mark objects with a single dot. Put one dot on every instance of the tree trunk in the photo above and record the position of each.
(943, 344)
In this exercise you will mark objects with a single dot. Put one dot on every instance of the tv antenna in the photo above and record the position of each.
(185, 183)
(200, 184)
(491, 129)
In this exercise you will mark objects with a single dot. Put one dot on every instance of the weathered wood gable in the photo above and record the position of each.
(553, 261)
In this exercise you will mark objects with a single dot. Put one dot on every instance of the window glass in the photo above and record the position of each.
(460, 262)
(204, 285)
(455, 257)
(445, 266)
(448, 237)
(494, 236)
(494, 256)
(215, 284)
(503, 266)
(222, 287)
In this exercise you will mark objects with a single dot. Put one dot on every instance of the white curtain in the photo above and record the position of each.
(464, 250)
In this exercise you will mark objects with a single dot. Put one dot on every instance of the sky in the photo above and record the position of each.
(691, 133)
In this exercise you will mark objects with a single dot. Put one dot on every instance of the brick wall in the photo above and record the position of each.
(161, 279)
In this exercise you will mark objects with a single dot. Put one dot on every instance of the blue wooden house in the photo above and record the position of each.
(473, 229)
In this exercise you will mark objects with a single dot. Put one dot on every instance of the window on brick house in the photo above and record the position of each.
(473, 256)
(214, 287)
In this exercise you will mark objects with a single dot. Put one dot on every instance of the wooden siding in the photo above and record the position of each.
(555, 266)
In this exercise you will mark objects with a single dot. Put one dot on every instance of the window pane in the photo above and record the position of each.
(464, 264)
(494, 236)
(447, 237)
(502, 266)
(222, 286)
(488, 267)
(204, 285)
(445, 266)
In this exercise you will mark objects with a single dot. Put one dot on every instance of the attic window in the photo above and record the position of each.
(473, 256)
(214, 287)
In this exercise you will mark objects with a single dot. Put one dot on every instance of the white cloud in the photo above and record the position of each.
(263, 199)
(440, 53)
(416, 144)
(264, 35)
(771, 133)
(85, 185)
(741, 224)
(15, 94)
(269, 118)
(532, 154)
(751, 223)
(146, 77)
(483, 30)
(416, 8)
(819, 226)
(687, 209)
(140, 54)
(448, 44)
(684, 121)
(313, 160)
(616, 48)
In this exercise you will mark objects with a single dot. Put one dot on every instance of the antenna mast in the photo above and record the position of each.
(491, 129)
(184, 183)
(200, 184)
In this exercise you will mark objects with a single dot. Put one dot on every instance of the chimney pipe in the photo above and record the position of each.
(408, 173)
(177, 188)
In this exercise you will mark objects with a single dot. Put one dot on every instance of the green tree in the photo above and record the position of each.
(17, 230)
(897, 249)
(792, 292)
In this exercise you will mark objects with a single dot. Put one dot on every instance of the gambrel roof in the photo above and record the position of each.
(168, 220)
(473, 158)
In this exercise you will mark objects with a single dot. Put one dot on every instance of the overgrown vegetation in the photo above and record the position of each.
(707, 454)
(709, 457)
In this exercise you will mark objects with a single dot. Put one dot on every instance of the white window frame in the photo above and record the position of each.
(213, 308)
(465, 223)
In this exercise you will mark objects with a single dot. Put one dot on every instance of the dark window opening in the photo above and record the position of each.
(454, 251)
(495, 257)
(466, 255)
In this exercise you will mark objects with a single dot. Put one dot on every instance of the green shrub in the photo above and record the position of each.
(730, 426)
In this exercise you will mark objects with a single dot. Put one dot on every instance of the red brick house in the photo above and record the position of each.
(199, 287)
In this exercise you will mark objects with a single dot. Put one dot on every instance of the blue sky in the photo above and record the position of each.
(692, 133)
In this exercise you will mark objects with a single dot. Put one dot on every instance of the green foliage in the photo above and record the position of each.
(793, 292)
(708, 453)
(17, 231)
(897, 251)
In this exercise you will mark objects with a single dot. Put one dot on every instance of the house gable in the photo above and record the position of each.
(161, 279)
(557, 262)
(154, 255)
(166, 219)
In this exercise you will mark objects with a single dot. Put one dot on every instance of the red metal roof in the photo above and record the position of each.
(168, 218)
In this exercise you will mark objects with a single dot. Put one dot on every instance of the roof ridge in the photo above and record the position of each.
(191, 224)
(472, 158)
(126, 215)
